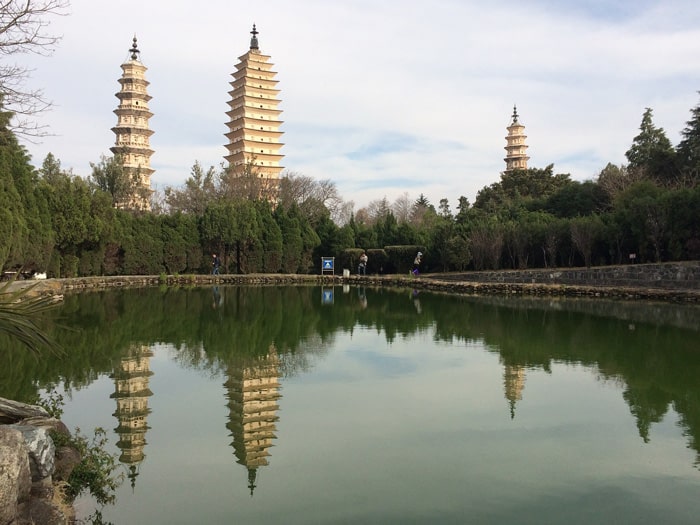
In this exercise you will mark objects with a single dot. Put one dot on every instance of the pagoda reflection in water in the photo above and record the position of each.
(252, 390)
(514, 383)
(132, 393)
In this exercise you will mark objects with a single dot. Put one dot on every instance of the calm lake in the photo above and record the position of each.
(305, 405)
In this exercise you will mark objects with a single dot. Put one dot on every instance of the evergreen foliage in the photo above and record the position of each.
(689, 148)
(56, 222)
(651, 151)
(520, 186)
(120, 183)
(14, 230)
(400, 258)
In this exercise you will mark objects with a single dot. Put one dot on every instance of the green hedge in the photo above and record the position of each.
(388, 260)
(400, 258)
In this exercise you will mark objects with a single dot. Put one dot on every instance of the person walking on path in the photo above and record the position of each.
(362, 267)
(215, 263)
(416, 263)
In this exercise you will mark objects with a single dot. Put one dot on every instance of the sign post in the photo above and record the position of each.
(327, 265)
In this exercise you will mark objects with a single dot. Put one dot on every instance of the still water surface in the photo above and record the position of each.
(308, 405)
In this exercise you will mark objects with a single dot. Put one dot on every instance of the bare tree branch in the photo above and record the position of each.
(402, 208)
(24, 29)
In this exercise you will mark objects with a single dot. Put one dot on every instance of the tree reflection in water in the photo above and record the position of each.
(255, 335)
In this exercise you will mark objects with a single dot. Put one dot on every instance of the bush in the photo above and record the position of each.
(378, 262)
(400, 258)
(96, 470)
(349, 259)
(69, 266)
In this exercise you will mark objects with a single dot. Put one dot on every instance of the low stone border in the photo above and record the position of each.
(680, 275)
(437, 282)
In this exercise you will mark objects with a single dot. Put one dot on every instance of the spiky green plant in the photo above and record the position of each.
(19, 312)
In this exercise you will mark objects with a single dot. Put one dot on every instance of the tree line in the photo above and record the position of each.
(54, 221)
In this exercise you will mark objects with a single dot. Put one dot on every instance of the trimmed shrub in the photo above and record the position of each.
(400, 258)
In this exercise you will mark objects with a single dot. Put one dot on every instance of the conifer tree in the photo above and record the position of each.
(689, 148)
(651, 151)
(13, 224)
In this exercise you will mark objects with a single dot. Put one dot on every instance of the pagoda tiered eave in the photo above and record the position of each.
(135, 130)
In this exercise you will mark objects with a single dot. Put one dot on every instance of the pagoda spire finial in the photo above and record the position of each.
(134, 49)
(254, 40)
(515, 114)
(252, 473)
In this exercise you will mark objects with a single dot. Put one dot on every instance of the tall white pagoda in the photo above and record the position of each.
(132, 130)
(254, 119)
(516, 149)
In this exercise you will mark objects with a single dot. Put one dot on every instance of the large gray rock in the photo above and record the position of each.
(49, 423)
(15, 477)
(14, 411)
(42, 452)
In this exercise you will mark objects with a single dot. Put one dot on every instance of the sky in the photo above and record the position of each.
(384, 99)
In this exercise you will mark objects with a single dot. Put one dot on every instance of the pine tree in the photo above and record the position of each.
(689, 148)
(651, 151)
(14, 232)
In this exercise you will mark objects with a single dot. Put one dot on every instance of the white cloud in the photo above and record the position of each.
(443, 75)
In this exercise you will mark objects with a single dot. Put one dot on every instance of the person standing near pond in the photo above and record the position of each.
(362, 267)
(416, 263)
(215, 263)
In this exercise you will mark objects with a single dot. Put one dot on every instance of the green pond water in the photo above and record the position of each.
(305, 405)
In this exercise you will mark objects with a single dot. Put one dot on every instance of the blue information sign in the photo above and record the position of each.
(327, 264)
